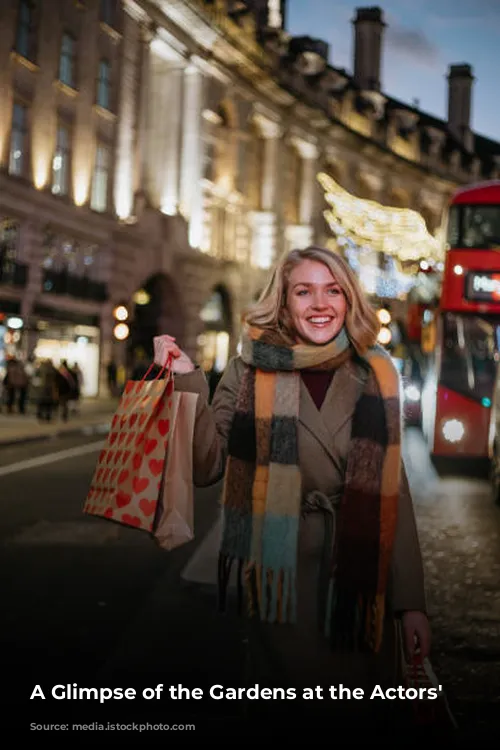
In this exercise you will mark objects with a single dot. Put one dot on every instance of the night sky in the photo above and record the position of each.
(421, 40)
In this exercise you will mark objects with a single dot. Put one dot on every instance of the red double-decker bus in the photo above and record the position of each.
(458, 393)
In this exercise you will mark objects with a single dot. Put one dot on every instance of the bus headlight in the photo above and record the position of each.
(412, 393)
(453, 430)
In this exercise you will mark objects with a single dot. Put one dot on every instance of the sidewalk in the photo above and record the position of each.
(17, 428)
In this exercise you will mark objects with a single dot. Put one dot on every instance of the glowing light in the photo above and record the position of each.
(384, 336)
(15, 323)
(141, 297)
(458, 270)
(384, 316)
(399, 232)
(41, 173)
(412, 393)
(120, 312)
(121, 331)
(80, 188)
(453, 430)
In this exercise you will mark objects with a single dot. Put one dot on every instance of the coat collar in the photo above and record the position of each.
(337, 408)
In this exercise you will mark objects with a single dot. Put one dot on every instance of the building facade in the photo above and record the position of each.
(160, 155)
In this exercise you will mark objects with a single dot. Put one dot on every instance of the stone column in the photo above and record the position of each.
(163, 143)
(124, 170)
(270, 131)
(191, 194)
(172, 134)
(140, 169)
(309, 155)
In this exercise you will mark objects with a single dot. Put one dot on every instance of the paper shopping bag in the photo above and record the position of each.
(174, 524)
(128, 477)
(433, 714)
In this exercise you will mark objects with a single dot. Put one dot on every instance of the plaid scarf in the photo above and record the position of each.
(262, 491)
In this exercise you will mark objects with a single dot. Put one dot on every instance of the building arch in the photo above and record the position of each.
(156, 309)
(214, 341)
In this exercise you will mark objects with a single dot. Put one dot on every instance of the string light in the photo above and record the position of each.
(399, 232)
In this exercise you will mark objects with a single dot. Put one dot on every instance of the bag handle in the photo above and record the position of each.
(166, 366)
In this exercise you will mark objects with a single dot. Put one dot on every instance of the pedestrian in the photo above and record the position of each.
(46, 392)
(318, 522)
(76, 373)
(66, 387)
(111, 376)
(16, 384)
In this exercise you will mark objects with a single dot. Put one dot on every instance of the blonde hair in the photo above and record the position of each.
(270, 311)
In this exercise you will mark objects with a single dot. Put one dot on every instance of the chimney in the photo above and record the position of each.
(368, 29)
(460, 80)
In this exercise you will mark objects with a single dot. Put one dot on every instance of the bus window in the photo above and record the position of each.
(453, 233)
(468, 363)
(481, 227)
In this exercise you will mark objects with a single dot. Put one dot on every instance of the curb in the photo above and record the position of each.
(73, 432)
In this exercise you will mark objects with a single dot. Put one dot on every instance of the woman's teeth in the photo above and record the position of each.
(319, 321)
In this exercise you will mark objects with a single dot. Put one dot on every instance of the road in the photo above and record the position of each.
(90, 602)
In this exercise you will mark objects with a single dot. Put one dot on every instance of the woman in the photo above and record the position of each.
(318, 519)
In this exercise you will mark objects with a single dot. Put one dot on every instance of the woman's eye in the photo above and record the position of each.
(334, 291)
(301, 292)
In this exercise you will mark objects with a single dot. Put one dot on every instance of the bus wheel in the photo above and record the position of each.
(495, 476)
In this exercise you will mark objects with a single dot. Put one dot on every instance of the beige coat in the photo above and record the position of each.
(323, 438)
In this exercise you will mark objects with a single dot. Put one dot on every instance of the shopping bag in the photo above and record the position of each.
(128, 477)
(433, 714)
(174, 524)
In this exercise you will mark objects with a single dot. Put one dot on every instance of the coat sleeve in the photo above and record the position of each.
(213, 422)
(407, 574)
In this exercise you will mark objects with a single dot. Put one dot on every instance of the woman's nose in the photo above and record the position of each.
(320, 300)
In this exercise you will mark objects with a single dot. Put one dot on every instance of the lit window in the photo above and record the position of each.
(67, 61)
(104, 84)
(9, 241)
(18, 140)
(61, 162)
(99, 197)
(25, 43)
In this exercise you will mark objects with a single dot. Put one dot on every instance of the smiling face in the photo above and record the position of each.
(315, 302)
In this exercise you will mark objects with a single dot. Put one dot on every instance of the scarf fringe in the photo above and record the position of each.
(354, 622)
(271, 597)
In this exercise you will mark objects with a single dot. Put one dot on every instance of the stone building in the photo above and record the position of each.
(160, 155)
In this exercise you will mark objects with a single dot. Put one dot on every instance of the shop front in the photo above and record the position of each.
(77, 341)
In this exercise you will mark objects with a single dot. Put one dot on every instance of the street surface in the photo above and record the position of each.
(90, 602)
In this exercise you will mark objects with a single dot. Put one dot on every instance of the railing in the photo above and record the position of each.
(13, 273)
(80, 287)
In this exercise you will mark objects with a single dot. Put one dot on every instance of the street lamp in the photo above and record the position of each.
(120, 313)
(121, 331)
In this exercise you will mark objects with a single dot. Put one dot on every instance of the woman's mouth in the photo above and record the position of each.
(320, 321)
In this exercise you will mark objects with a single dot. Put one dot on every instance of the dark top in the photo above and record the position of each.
(317, 382)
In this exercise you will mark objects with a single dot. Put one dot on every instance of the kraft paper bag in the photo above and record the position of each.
(127, 480)
(175, 524)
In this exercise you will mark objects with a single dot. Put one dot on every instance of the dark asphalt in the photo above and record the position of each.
(89, 602)
(86, 600)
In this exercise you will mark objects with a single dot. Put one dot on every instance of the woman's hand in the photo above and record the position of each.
(416, 634)
(165, 347)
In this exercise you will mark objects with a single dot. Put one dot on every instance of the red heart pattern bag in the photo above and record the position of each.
(128, 476)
